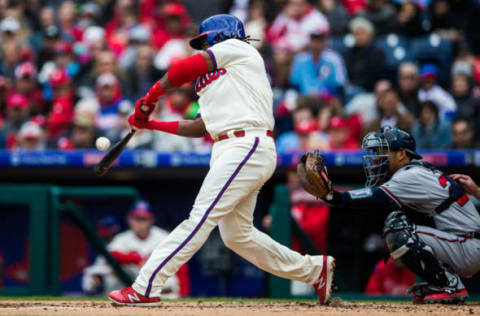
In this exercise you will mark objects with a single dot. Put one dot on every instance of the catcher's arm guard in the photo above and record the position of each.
(313, 175)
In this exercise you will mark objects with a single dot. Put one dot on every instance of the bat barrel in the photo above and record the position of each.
(104, 165)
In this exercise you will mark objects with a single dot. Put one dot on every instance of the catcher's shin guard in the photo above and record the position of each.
(405, 246)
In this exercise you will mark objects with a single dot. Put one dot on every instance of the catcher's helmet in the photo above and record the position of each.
(377, 146)
(218, 28)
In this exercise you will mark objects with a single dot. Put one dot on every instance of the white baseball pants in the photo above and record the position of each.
(238, 169)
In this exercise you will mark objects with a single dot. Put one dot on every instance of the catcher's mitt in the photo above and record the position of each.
(313, 175)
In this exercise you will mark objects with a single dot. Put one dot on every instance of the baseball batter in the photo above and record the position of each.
(235, 100)
(397, 180)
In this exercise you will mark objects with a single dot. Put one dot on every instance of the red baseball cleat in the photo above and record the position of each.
(447, 296)
(129, 297)
(323, 286)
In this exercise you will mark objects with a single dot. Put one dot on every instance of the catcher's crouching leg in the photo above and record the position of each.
(406, 247)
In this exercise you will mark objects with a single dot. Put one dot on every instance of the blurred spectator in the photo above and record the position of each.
(64, 58)
(9, 28)
(109, 96)
(431, 91)
(333, 107)
(365, 61)
(5, 91)
(61, 113)
(26, 85)
(174, 49)
(180, 101)
(339, 135)
(46, 42)
(391, 113)
(89, 15)
(10, 58)
(382, 14)
(304, 123)
(462, 90)
(31, 137)
(67, 16)
(355, 6)
(409, 19)
(318, 69)
(462, 134)
(336, 15)
(256, 23)
(16, 114)
(408, 85)
(365, 104)
(431, 132)
(116, 133)
(450, 18)
(165, 142)
(390, 278)
(293, 26)
(141, 74)
(139, 37)
(131, 249)
(176, 18)
(84, 132)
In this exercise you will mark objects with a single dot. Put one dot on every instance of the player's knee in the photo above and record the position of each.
(233, 238)
(398, 232)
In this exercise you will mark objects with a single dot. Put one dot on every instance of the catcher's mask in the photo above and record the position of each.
(376, 158)
(377, 147)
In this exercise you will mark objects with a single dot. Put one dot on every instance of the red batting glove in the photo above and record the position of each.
(136, 123)
(143, 109)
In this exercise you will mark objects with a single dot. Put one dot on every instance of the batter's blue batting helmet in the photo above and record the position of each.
(218, 28)
(377, 146)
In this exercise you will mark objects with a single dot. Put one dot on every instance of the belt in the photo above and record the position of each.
(239, 133)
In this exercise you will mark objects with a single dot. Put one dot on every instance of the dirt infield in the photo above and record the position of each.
(235, 308)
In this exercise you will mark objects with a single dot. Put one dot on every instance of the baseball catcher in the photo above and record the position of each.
(399, 181)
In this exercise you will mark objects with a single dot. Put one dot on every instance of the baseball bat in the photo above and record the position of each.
(104, 165)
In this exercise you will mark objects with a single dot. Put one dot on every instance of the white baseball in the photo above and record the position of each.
(102, 143)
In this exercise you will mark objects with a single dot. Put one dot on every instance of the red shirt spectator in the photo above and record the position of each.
(176, 18)
(292, 28)
(339, 135)
(25, 84)
(61, 114)
(389, 279)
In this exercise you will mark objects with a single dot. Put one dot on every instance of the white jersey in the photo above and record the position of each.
(237, 94)
(424, 189)
(128, 241)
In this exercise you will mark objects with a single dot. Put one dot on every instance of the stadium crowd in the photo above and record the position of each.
(72, 70)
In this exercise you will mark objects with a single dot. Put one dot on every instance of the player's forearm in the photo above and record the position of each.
(371, 199)
(187, 128)
(192, 128)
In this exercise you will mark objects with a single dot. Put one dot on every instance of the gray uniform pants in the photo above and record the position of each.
(461, 253)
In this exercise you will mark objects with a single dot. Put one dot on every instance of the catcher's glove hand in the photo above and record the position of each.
(314, 176)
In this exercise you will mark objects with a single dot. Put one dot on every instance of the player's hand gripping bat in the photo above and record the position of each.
(104, 165)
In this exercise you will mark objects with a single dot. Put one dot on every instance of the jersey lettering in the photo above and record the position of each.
(206, 79)
(443, 181)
